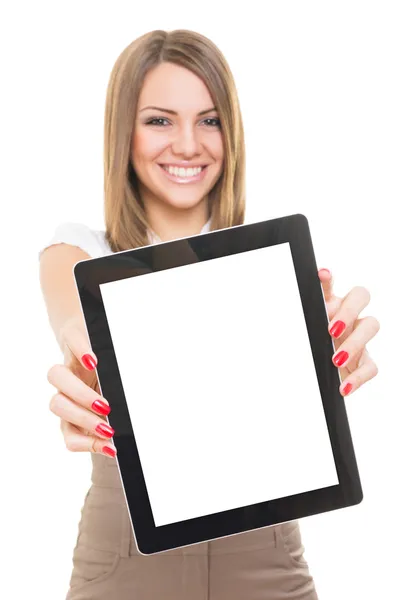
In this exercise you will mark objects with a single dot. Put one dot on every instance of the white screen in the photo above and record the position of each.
(220, 383)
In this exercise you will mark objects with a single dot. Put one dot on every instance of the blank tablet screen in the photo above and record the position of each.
(220, 383)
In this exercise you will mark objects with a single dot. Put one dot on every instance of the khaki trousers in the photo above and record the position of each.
(266, 564)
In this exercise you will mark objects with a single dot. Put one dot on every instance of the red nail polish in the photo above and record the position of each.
(341, 358)
(101, 407)
(89, 362)
(109, 451)
(337, 328)
(347, 388)
(104, 429)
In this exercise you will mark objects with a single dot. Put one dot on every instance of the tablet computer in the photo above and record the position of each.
(215, 356)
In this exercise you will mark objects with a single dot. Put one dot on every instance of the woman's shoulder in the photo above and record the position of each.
(92, 241)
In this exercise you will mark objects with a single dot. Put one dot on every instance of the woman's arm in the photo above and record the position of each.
(58, 286)
(77, 401)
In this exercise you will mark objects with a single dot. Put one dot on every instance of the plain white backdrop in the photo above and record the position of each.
(319, 90)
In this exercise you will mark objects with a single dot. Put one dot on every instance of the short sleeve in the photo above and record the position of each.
(76, 234)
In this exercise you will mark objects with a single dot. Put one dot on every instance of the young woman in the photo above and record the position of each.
(174, 166)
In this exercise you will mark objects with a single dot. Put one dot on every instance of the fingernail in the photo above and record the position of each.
(101, 407)
(327, 270)
(109, 451)
(337, 328)
(104, 429)
(347, 389)
(89, 362)
(340, 358)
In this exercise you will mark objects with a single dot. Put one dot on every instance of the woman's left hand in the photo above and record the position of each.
(350, 334)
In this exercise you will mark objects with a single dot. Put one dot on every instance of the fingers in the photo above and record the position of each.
(62, 378)
(74, 335)
(76, 402)
(364, 330)
(70, 411)
(367, 370)
(353, 346)
(77, 441)
(355, 301)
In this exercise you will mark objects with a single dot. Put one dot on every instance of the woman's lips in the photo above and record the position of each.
(177, 179)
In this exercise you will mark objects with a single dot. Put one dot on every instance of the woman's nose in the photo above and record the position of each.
(187, 142)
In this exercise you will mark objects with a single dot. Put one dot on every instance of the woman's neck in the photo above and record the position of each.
(170, 223)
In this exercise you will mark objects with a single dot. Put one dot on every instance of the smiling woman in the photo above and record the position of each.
(174, 165)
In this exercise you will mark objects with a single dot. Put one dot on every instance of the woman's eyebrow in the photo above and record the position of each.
(173, 112)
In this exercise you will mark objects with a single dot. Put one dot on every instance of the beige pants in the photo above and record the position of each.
(266, 564)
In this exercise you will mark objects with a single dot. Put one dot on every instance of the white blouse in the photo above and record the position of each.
(92, 241)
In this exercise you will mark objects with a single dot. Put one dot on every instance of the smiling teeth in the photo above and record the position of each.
(181, 172)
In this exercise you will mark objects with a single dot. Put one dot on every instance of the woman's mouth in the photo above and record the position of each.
(184, 175)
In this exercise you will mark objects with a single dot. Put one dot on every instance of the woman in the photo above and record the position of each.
(174, 167)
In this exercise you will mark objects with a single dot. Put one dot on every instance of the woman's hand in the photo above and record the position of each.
(350, 334)
(77, 401)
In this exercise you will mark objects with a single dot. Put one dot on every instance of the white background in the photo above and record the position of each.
(319, 91)
(221, 392)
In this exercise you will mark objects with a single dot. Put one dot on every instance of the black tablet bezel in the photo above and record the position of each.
(90, 274)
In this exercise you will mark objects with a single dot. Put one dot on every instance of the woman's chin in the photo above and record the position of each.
(182, 201)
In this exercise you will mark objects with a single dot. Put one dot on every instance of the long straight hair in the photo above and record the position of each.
(125, 217)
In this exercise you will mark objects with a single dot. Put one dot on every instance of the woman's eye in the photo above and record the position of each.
(157, 121)
(213, 122)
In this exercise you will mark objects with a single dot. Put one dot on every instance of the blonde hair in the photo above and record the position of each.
(125, 217)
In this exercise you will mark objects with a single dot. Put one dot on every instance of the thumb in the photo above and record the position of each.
(326, 279)
(74, 338)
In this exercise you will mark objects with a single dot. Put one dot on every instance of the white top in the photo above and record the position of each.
(93, 242)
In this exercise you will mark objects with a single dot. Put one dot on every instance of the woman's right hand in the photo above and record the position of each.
(78, 403)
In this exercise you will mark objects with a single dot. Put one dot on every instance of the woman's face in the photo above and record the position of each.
(177, 146)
